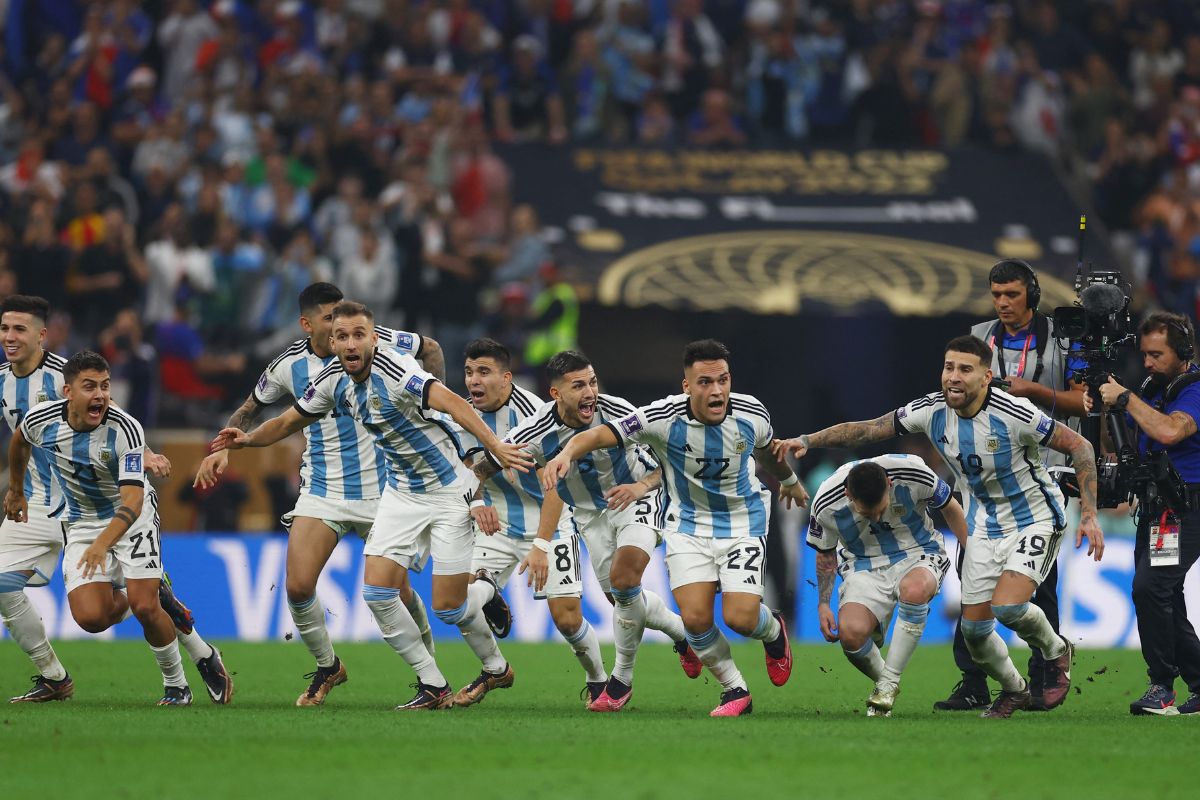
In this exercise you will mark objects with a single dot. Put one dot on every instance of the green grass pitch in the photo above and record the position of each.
(810, 738)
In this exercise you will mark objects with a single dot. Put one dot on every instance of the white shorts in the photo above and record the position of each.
(33, 545)
(604, 532)
(137, 555)
(879, 589)
(500, 555)
(1031, 553)
(408, 526)
(736, 564)
(342, 516)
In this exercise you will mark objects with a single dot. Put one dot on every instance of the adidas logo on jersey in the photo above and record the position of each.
(943, 439)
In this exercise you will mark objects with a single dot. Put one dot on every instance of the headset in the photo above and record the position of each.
(1033, 290)
(1184, 329)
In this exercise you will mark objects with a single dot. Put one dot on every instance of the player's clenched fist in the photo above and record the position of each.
(16, 507)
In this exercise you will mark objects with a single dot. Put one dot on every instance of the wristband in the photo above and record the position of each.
(477, 504)
(790, 480)
(542, 544)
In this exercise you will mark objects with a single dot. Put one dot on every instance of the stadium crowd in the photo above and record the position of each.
(174, 172)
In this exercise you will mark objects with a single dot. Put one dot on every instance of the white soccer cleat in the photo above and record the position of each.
(880, 703)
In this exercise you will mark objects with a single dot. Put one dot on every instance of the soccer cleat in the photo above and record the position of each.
(495, 611)
(1158, 700)
(180, 615)
(1058, 678)
(691, 663)
(592, 691)
(323, 681)
(615, 696)
(734, 703)
(176, 696)
(216, 678)
(44, 690)
(1007, 702)
(429, 698)
(476, 690)
(1191, 705)
(965, 697)
(881, 701)
(779, 666)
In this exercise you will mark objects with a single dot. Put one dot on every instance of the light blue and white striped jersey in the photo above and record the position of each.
(517, 503)
(90, 466)
(996, 456)
(341, 460)
(420, 452)
(598, 471)
(905, 528)
(708, 470)
(17, 396)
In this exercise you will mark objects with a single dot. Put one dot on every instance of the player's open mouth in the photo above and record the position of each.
(353, 361)
(716, 405)
(476, 394)
(95, 409)
(954, 391)
(11, 350)
(587, 408)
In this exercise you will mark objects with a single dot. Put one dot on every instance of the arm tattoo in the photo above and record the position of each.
(1188, 425)
(126, 515)
(1083, 458)
(433, 359)
(826, 573)
(243, 418)
(854, 434)
(653, 480)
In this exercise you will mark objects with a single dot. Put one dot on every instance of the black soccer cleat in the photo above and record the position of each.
(176, 696)
(495, 611)
(966, 697)
(592, 691)
(216, 678)
(321, 683)
(180, 615)
(44, 690)
(429, 698)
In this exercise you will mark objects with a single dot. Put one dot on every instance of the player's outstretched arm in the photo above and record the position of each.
(508, 456)
(953, 513)
(132, 497)
(1083, 458)
(536, 560)
(847, 434)
(826, 573)
(790, 487)
(215, 464)
(432, 359)
(270, 432)
(576, 447)
(16, 507)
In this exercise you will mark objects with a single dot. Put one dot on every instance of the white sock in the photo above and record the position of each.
(27, 630)
(474, 628)
(309, 619)
(586, 645)
(197, 648)
(416, 607)
(171, 664)
(767, 629)
(909, 627)
(1033, 626)
(713, 649)
(661, 618)
(990, 652)
(400, 631)
(866, 660)
(629, 623)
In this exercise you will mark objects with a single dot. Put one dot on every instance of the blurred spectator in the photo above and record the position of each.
(108, 276)
(714, 125)
(133, 365)
(1155, 60)
(237, 266)
(655, 125)
(692, 51)
(554, 318)
(527, 106)
(181, 35)
(217, 508)
(41, 262)
(462, 272)
(526, 252)
(370, 274)
(177, 269)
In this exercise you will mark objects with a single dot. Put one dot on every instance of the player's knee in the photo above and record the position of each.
(914, 593)
(299, 590)
(623, 579)
(1009, 615)
(743, 621)
(567, 620)
(976, 630)
(696, 620)
(146, 609)
(92, 621)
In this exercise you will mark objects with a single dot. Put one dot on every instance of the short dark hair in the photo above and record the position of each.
(316, 295)
(488, 348)
(27, 304)
(1008, 271)
(867, 483)
(565, 362)
(704, 350)
(973, 345)
(84, 361)
(349, 308)
(1179, 329)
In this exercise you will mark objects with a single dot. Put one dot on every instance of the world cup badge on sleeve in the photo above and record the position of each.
(133, 462)
(1044, 425)
(630, 425)
(415, 385)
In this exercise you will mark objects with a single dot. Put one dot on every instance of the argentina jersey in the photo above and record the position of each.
(708, 470)
(420, 452)
(341, 460)
(584, 486)
(91, 466)
(518, 503)
(905, 528)
(996, 457)
(18, 394)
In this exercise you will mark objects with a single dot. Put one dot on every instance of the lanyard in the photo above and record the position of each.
(1020, 373)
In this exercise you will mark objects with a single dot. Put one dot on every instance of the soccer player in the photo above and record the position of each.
(877, 512)
(96, 453)
(618, 508)
(993, 442)
(29, 550)
(507, 513)
(341, 478)
(424, 504)
(707, 440)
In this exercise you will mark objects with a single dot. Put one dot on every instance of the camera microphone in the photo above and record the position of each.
(1102, 299)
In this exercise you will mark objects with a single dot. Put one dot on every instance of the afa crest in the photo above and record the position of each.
(106, 456)
(42, 397)
(740, 446)
(992, 443)
(376, 402)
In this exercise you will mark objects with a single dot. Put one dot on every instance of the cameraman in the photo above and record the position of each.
(1026, 357)
(1165, 412)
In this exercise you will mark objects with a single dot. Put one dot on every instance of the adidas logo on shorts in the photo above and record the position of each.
(565, 581)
